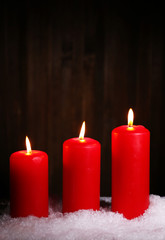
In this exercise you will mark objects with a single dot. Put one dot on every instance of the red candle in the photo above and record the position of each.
(29, 183)
(81, 173)
(130, 169)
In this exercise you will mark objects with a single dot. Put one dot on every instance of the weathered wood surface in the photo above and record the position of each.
(65, 63)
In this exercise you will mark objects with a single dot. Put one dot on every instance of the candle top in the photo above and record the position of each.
(32, 153)
(86, 142)
(134, 129)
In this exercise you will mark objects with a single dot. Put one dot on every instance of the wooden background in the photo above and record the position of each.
(64, 63)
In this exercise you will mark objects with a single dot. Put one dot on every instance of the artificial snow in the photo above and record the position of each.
(87, 224)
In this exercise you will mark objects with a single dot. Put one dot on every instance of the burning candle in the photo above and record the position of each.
(130, 169)
(81, 173)
(29, 183)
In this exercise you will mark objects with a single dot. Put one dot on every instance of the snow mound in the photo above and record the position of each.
(87, 224)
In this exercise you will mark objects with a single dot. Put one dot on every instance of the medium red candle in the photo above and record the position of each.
(81, 173)
(29, 183)
(130, 169)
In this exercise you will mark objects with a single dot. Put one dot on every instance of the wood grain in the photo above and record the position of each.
(66, 62)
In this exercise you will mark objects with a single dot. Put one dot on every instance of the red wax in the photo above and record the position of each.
(29, 184)
(81, 174)
(130, 170)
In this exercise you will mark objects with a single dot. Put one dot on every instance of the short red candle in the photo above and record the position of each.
(130, 170)
(81, 174)
(29, 184)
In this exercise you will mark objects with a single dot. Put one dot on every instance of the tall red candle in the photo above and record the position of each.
(29, 183)
(130, 169)
(81, 174)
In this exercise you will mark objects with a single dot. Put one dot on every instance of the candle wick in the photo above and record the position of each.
(82, 139)
(130, 124)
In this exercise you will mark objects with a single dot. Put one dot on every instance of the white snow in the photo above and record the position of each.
(88, 224)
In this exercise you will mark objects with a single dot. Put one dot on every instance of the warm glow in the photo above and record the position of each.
(82, 132)
(28, 146)
(130, 117)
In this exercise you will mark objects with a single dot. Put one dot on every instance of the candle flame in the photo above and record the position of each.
(130, 117)
(82, 131)
(28, 145)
